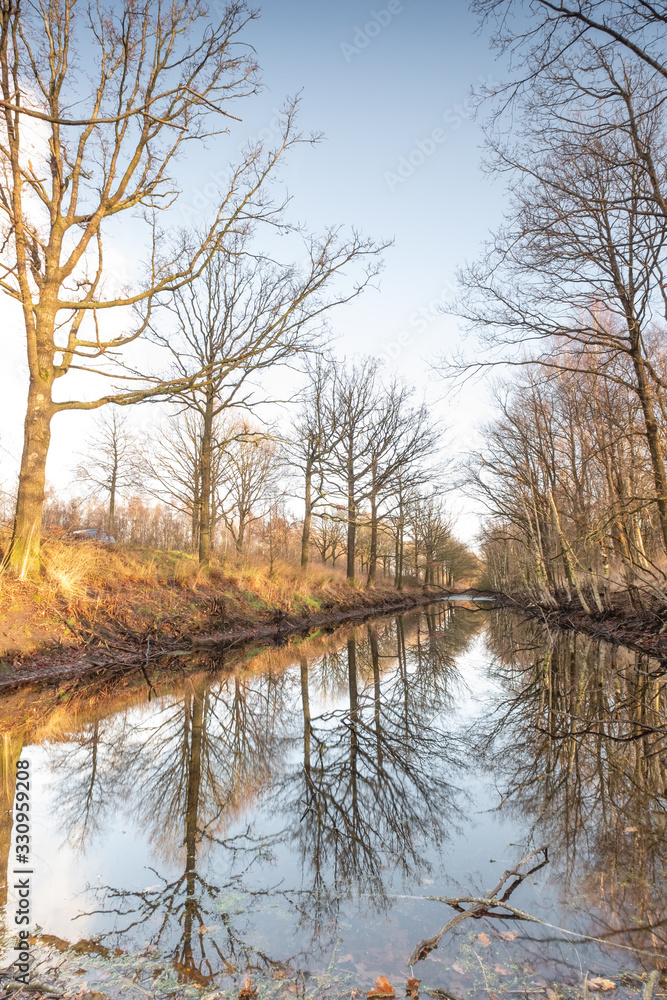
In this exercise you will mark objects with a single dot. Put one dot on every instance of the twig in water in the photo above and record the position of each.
(650, 985)
(479, 906)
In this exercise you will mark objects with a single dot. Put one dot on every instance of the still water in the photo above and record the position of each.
(284, 814)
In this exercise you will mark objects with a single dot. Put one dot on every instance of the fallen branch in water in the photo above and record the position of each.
(480, 906)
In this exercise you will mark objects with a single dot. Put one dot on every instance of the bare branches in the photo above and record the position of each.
(482, 906)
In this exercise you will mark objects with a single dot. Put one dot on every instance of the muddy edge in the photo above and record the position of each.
(57, 664)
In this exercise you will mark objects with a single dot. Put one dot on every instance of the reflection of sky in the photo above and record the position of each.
(475, 844)
(377, 105)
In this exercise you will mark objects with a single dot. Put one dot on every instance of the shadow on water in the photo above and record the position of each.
(286, 813)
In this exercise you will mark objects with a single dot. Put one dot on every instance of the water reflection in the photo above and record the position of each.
(319, 782)
(374, 788)
(578, 750)
(254, 814)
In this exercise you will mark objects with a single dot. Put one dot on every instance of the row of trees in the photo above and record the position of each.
(361, 462)
(80, 189)
(571, 291)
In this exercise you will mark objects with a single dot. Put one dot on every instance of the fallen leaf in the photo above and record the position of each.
(412, 985)
(457, 967)
(551, 994)
(631, 829)
(501, 970)
(383, 988)
(484, 939)
(508, 935)
(247, 991)
(598, 983)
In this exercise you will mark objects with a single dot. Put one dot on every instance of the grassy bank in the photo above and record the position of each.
(124, 600)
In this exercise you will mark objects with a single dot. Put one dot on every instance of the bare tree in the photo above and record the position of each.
(402, 438)
(306, 448)
(163, 78)
(578, 268)
(172, 468)
(242, 316)
(350, 408)
(111, 461)
(247, 480)
(546, 31)
(328, 534)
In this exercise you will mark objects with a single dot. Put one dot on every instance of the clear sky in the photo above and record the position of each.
(389, 85)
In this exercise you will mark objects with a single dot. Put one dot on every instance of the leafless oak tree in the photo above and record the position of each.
(160, 77)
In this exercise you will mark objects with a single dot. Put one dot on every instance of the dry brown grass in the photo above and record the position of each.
(143, 591)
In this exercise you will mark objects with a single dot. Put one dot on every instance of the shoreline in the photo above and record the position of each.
(107, 655)
(645, 632)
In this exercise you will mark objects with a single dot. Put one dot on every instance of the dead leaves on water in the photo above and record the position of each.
(247, 991)
(382, 988)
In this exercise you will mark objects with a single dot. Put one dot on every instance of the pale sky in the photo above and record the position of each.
(389, 86)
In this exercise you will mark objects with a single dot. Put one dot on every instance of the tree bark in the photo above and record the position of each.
(240, 537)
(23, 553)
(351, 528)
(112, 497)
(373, 557)
(653, 440)
(205, 486)
(307, 516)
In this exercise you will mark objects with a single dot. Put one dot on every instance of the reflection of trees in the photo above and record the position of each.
(11, 745)
(186, 771)
(579, 745)
(373, 792)
(365, 798)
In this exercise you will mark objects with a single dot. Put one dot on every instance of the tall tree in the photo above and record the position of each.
(247, 480)
(242, 316)
(307, 446)
(403, 436)
(579, 263)
(111, 463)
(350, 407)
(163, 78)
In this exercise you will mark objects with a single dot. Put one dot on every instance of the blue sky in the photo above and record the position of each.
(380, 82)
(389, 85)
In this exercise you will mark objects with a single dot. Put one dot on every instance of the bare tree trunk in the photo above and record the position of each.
(205, 485)
(399, 554)
(570, 571)
(373, 557)
(240, 536)
(307, 515)
(351, 527)
(653, 440)
(23, 553)
(112, 500)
